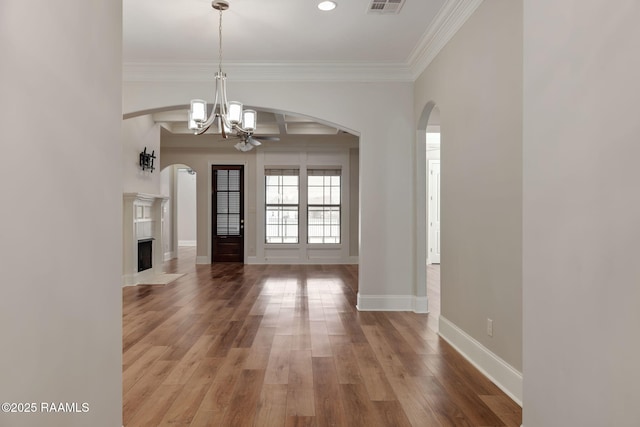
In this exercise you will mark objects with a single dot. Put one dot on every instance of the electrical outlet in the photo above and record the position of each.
(490, 327)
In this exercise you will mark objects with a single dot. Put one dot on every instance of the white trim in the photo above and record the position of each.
(189, 243)
(202, 260)
(452, 15)
(169, 255)
(392, 303)
(420, 304)
(298, 261)
(506, 377)
(268, 72)
(139, 277)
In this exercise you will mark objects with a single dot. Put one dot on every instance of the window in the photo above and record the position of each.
(281, 197)
(323, 206)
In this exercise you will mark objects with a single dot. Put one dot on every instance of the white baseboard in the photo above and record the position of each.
(169, 255)
(420, 305)
(298, 261)
(127, 280)
(139, 277)
(392, 303)
(506, 377)
(187, 242)
(202, 260)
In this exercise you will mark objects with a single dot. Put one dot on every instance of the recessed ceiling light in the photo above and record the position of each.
(326, 6)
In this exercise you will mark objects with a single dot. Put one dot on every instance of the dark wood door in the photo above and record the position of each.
(228, 213)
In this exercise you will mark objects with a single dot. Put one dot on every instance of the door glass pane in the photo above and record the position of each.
(234, 203)
(234, 180)
(222, 180)
(234, 224)
(223, 202)
(222, 226)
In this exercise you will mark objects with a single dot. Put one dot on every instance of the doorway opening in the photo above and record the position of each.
(433, 211)
(179, 228)
(227, 202)
(427, 194)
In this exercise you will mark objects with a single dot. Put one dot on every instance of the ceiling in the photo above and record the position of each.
(186, 31)
(161, 34)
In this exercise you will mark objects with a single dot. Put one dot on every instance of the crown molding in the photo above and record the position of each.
(269, 72)
(452, 15)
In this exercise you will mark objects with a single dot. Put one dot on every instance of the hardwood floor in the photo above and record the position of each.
(233, 345)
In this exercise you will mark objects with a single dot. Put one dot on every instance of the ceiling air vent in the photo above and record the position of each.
(385, 6)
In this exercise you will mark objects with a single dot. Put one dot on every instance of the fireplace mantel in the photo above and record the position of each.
(142, 219)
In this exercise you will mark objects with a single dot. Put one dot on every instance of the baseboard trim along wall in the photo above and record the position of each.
(298, 261)
(421, 305)
(507, 378)
(189, 243)
(392, 303)
(202, 260)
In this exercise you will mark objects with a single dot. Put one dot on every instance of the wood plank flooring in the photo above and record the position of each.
(233, 345)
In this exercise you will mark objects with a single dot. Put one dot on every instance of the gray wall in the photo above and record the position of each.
(476, 81)
(139, 133)
(186, 209)
(198, 152)
(582, 210)
(60, 222)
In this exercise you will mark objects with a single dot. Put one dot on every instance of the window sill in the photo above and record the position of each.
(324, 245)
(282, 245)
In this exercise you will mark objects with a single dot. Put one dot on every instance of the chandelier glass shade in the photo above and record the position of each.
(230, 117)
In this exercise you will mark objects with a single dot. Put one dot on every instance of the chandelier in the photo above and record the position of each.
(230, 117)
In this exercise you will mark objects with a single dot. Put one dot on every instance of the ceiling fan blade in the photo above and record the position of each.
(253, 141)
(267, 138)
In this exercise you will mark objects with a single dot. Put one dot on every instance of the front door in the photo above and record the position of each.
(228, 214)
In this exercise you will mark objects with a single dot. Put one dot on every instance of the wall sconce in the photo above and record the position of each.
(146, 160)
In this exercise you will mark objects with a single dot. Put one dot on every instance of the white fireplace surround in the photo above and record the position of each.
(142, 219)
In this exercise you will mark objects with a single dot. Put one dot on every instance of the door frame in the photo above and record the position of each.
(245, 199)
(430, 163)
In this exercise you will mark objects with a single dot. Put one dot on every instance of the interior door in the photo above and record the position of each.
(228, 213)
(434, 212)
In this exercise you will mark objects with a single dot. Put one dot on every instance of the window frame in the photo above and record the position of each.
(325, 172)
(284, 172)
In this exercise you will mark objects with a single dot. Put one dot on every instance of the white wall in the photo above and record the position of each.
(386, 226)
(138, 133)
(476, 81)
(60, 222)
(186, 209)
(581, 211)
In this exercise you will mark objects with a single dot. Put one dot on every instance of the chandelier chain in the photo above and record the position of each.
(220, 43)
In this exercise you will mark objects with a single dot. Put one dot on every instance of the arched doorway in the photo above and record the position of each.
(309, 147)
(427, 286)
